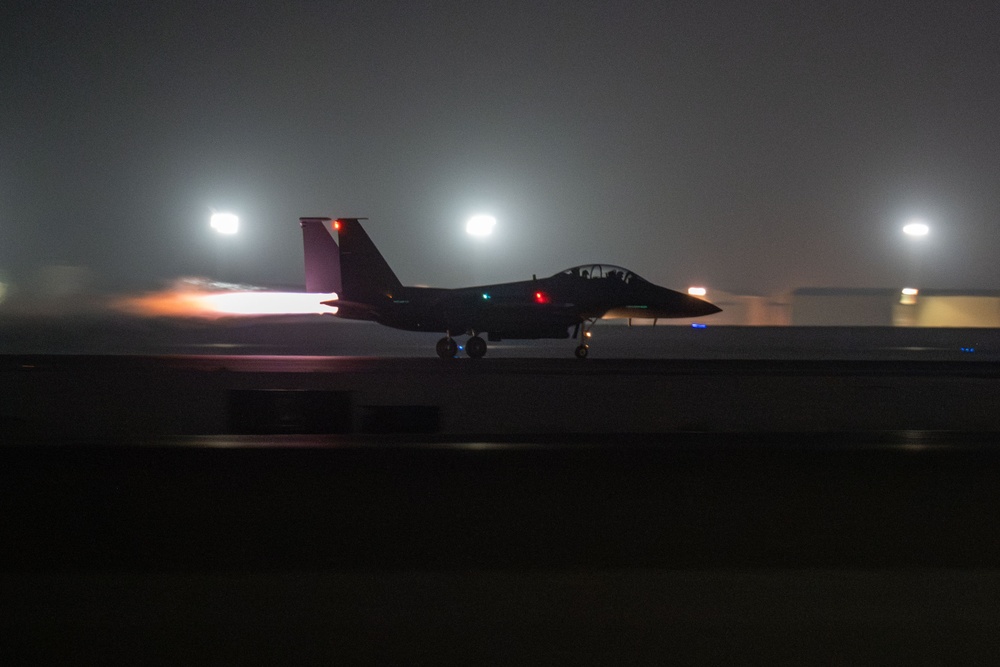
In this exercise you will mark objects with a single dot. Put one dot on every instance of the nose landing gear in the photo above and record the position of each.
(583, 332)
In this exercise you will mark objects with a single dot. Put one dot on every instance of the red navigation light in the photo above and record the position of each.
(542, 297)
(336, 225)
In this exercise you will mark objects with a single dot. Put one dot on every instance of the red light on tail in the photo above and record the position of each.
(336, 225)
(542, 297)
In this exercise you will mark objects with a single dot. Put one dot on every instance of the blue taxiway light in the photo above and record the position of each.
(699, 325)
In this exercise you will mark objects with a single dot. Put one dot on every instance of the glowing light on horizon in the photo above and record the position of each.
(916, 228)
(697, 291)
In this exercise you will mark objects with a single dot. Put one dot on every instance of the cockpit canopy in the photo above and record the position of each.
(601, 272)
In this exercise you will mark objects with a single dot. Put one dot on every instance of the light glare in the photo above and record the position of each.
(480, 225)
(697, 291)
(916, 228)
(225, 223)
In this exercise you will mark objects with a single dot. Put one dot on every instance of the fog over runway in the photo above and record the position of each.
(326, 489)
(99, 332)
(294, 490)
(242, 508)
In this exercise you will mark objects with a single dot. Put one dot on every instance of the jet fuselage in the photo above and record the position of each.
(549, 307)
(538, 308)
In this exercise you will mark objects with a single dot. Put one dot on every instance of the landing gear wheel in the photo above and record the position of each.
(475, 347)
(581, 351)
(447, 348)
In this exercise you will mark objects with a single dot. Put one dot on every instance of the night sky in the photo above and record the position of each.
(750, 146)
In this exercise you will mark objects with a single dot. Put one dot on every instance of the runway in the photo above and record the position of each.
(100, 398)
(861, 547)
(243, 363)
(678, 501)
(206, 509)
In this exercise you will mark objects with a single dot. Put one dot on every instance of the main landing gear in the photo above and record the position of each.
(475, 347)
(447, 348)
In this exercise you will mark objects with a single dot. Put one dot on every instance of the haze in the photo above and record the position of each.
(752, 147)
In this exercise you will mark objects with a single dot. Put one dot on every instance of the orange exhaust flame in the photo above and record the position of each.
(191, 299)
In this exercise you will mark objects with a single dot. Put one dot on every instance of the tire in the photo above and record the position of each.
(581, 351)
(447, 348)
(475, 347)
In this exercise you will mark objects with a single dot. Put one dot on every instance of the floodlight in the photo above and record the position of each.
(225, 223)
(480, 225)
(916, 228)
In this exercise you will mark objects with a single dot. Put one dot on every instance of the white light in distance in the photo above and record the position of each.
(910, 291)
(480, 225)
(225, 223)
(697, 291)
(916, 228)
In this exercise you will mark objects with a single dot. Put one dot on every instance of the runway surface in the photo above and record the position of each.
(843, 546)
(675, 501)
(504, 366)
(82, 333)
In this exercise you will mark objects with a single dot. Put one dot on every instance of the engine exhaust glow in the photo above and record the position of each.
(204, 299)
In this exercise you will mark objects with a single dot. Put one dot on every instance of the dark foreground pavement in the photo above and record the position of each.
(819, 548)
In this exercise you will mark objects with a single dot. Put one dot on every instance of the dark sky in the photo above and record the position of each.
(751, 146)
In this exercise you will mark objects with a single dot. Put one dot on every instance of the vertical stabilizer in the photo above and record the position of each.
(366, 276)
(322, 257)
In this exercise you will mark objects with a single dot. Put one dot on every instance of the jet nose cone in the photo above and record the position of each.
(700, 307)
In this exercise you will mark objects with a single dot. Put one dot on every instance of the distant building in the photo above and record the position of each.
(850, 307)
(832, 306)
(837, 306)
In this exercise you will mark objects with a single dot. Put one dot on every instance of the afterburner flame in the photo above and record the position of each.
(190, 298)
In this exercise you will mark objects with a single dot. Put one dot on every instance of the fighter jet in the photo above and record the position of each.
(530, 309)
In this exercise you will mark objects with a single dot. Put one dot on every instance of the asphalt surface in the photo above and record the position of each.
(967, 367)
(843, 548)
(837, 547)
